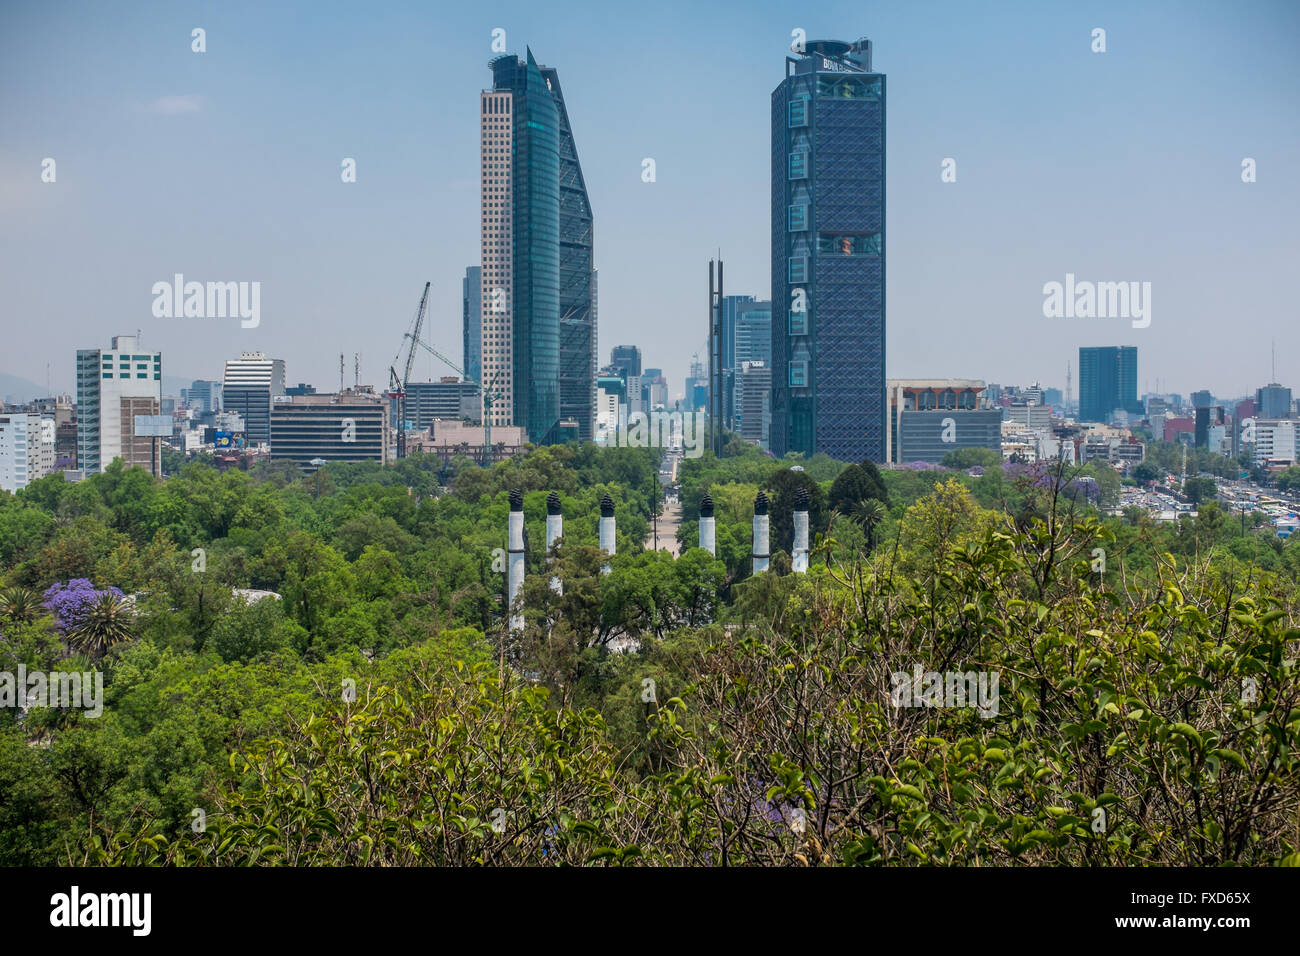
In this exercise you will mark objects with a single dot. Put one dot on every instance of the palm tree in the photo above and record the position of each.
(870, 512)
(107, 623)
(20, 605)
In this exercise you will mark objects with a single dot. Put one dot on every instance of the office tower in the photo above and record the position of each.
(538, 284)
(1273, 401)
(472, 322)
(311, 429)
(1202, 399)
(754, 402)
(577, 280)
(250, 384)
(1107, 382)
(746, 329)
(1208, 419)
(113, 387)
(203, 396)
(449, 399)
(625, 360)
(828, 254)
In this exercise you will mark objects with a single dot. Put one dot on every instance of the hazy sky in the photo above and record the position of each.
(225, 165)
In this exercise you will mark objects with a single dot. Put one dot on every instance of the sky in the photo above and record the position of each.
(1123, 165)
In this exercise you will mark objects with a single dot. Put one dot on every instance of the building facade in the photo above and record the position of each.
(928, 418)
(311, 429)
(471, 288)
(828, 254)
(538, 282)
(449, 399)
(250, 384)
(26, 449)
(1108, 382)
(113, 386)
(1273, 401)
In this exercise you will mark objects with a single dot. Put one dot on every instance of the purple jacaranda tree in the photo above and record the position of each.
(71, 603)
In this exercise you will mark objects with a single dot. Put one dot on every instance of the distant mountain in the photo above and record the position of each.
(16, 389)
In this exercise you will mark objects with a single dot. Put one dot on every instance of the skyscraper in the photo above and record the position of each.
(113, 387)
(828, 254)
(625, 359)
(538, 286)
(248, 387)
(746, 337)
(1107, 382)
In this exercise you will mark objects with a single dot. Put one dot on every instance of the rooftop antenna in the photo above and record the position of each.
(356, 369)
(1274, 347)
(340, 373)
(1068, 383)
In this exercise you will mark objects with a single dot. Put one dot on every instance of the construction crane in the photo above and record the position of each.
(397, 386)
(490, 394)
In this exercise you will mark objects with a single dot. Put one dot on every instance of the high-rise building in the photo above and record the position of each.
(1273, 401)
(203, 396)
(577, 280)
(625, 359)
(113, 387)
(1108, 382)
(472, 322)
(447, 400)
(754, 402)
(1202, 399)
(251, 383)
(746, 337)
(828, 254)
(538, 284)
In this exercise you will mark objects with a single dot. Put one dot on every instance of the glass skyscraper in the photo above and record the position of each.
(538, 309)
(1107, 382)
(828, 254)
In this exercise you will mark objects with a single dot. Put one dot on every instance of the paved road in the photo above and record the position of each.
(670, 519)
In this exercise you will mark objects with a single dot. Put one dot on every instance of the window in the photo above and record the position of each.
(798, 323)
(799, 373)
(107, 375)
(798, 268)
(849, 245)
(798, 115)
(798, 216)
(799, 165)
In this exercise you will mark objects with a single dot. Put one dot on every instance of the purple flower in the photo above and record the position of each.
(71, 602)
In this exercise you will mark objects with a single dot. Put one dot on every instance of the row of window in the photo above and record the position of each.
(157, 375)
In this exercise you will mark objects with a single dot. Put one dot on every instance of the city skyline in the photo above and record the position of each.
(187, 164)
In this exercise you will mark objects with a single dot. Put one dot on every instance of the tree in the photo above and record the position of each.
(20, 605)
(853, 486)
(103, 626)
(1146, 472)
(781, 487)
(964, 458)
(1200, 489)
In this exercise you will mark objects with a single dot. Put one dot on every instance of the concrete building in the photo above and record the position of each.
(449, 398)
(323, 428)
(250, 385)
(26, 449)
(113, 387)
(1275, 442)
(930, 417)
(449, 439)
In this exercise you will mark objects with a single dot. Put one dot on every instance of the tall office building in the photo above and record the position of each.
(250, 384)
(203, 396)
(1108, 382)
(113, 387)
(472, 322)
(746, 337)
(625, 360)
(1273, 401)
(538, 285)
(577, 280)
(828, 254)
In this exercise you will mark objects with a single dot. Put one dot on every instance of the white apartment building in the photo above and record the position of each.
(26, 449)
(1275, 441)
(113, 387)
